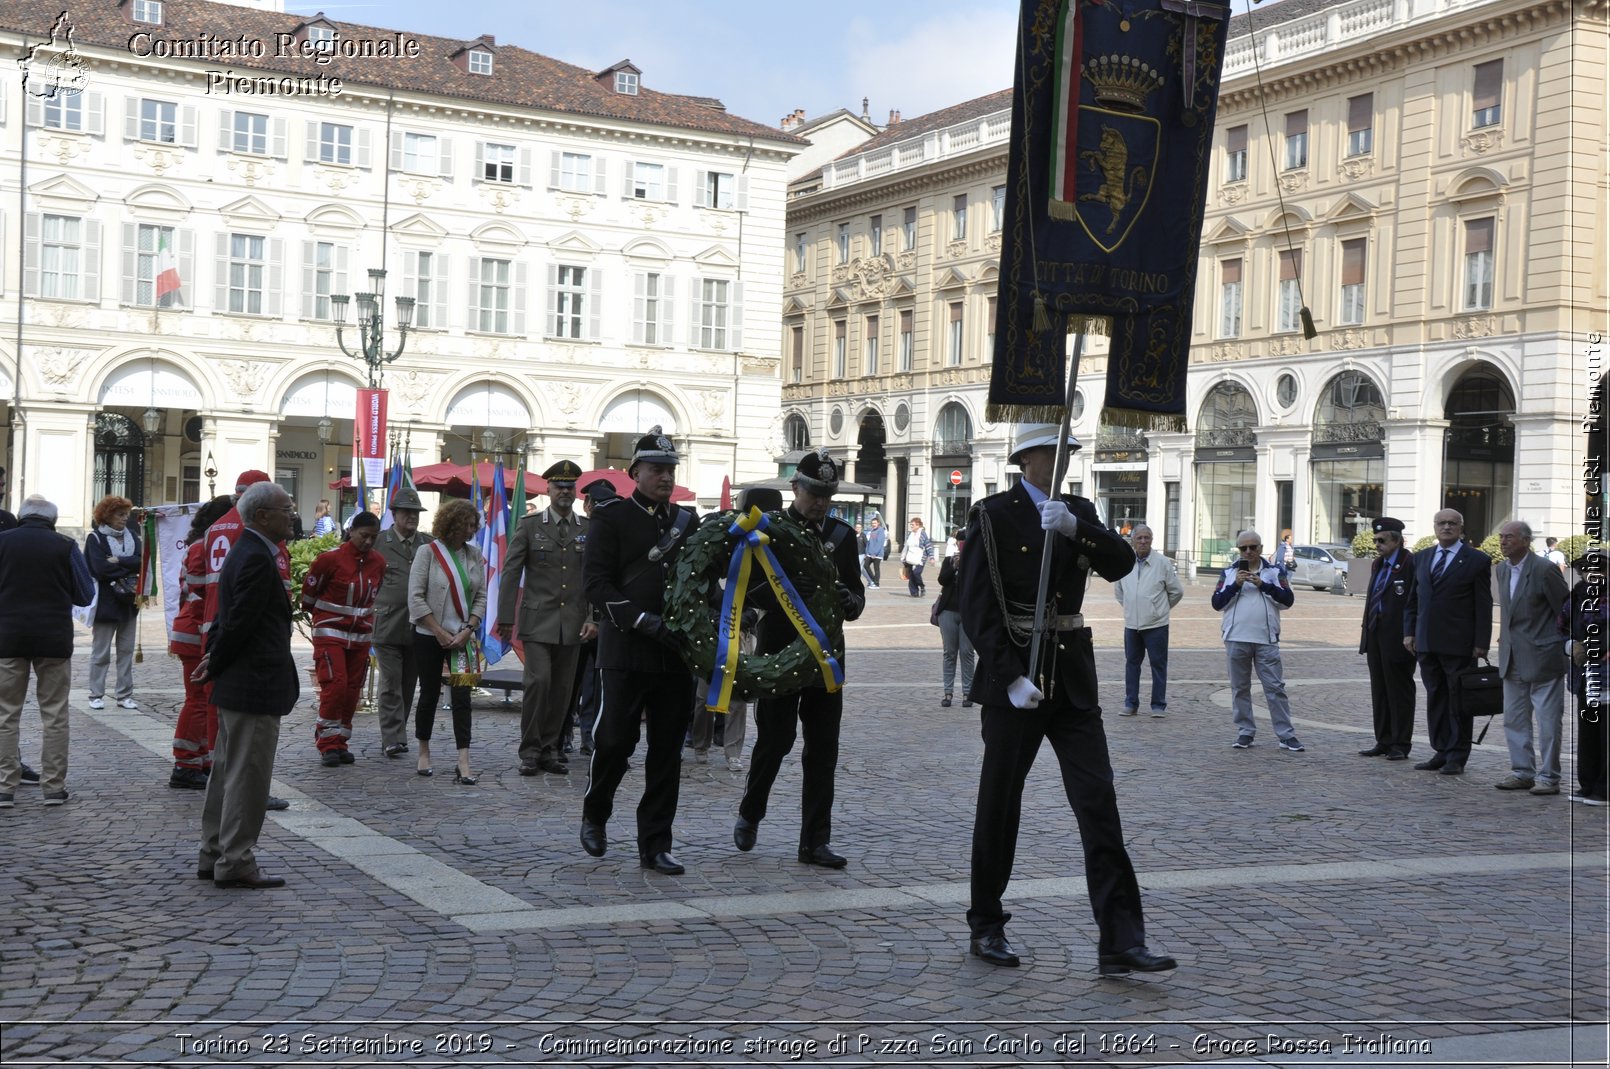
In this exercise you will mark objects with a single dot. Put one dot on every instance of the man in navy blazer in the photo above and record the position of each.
(248, 660)
(1447, 625)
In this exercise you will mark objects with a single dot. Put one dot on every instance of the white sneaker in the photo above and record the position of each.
(735, 764)
(127, 703)
(97, 703)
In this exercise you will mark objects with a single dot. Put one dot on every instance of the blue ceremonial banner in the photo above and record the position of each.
(1112, 130)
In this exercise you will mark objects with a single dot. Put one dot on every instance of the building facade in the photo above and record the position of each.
(1431, 186)
(585, 256)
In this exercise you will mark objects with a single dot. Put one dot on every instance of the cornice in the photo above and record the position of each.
(830, 203)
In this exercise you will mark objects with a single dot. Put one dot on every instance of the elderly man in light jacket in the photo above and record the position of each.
(1148, 594)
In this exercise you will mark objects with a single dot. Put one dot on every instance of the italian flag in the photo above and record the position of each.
(167, 268)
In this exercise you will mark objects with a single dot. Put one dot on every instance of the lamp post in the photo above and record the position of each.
(211, 472)
(371, 324)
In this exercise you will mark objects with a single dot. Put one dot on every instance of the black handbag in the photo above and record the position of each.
(1478, 691)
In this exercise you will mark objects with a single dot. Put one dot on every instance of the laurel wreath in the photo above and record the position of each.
(693, 599)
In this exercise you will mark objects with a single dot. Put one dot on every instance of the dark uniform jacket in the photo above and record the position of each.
(1013, 522)
(1387, 622)
(392, 626)
(553, 607)
(622, 584)
(776, 631)
(42, 576)
(1454, 614)
(249, 649)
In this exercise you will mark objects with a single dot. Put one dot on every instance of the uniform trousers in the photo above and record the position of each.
(399, 674)
(664, 700)
(431, 659)
(818, 715)
(549, 679)
(197, 730)
(125, 632)
(1011, 741)
(341, 670)
(1546, 699)
(53, 677)
(1392, 692)
(1450, 732)
(237, 793)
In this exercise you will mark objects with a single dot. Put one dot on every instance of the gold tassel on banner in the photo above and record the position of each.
(1042, 317)
(139, 652)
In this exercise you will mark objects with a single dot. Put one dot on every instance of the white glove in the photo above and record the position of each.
(1023, 694)
(1054, 516)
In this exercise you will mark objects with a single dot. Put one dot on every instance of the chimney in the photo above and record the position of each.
(894, 116)
(866, 116)
(793, 119)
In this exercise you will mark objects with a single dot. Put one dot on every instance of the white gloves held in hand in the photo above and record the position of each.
(1054, 516)
(1023, 694)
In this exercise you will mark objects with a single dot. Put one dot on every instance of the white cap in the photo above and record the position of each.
(1033, 436)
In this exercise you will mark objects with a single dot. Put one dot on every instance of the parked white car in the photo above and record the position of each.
(1323, 567)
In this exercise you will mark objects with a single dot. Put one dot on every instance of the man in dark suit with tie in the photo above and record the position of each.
(1447, 625)
(248, 660)
(1000, 576)
(1381, 642)
(632, 543)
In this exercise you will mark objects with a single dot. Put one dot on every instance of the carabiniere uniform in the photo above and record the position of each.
(818, 713)
(632, 544)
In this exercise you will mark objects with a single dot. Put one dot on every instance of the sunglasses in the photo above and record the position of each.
(1255, 545)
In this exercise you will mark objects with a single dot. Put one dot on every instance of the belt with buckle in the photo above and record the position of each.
(1061, 623)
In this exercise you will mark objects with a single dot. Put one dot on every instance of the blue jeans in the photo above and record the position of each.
(1150, 644)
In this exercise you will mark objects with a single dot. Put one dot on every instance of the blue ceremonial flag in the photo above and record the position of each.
(1112, 130)
(493, 540)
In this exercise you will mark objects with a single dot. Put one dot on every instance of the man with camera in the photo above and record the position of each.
(1252, 593)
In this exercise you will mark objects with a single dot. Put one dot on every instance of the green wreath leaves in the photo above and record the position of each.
(693, 601)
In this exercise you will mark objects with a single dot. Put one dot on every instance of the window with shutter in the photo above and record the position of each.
(495, 163)
(844, 243)
(958, 218)
(1351, 310)
(158, 121)
(575, 172)
(61, 257)
(569, 302)
(142, 265)
(419, 154)
(906, 339)
(1297, 140)
(1360, 124)
(1235, 154)
(840, 370)
(1289, 298)
(870, 347)
(492, 299)
(796, 349)
(955, 349)
(1230, 298)
(334, 144)
(246, 268)
(909, 225)
(1486, 94)
(1478, 264)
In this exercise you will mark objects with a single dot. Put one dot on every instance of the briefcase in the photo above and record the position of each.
(1478, 691)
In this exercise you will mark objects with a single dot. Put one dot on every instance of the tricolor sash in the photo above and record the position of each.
(464, 665)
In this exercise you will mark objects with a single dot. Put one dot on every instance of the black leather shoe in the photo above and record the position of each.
(188, 779)
(277, 804)
(821, 856)
(30, 775)
(1430, 766)
(554, 765)
(1451, 769)
(593, 839)
(743, 834)
(664, 862)
(329, 759)
(258, 882)
(1135, 959)
(346, 757)
(994, 949)
(204, 874)
(1397, 755)
(396, 749)
(1375, 751)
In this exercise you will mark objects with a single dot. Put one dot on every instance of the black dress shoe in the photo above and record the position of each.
(30, 775)
(743, 834)
(258, 882)
(1135, 959)
(664, 862)
(329, 759)
(551, 764)
(1451, 769)
(346, 757)
(1397, 755)
(593, 839)
(1375, 751)
(994, 949)
(188, 779)
(204, 874)
(277, 804)
(1430, 766)
(396, 749)
(821, 856)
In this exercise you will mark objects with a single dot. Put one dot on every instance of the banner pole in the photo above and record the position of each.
(1059, 472)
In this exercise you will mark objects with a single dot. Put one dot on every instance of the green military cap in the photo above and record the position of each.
(565, 472)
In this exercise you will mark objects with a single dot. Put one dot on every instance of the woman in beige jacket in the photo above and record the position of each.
(446, 603)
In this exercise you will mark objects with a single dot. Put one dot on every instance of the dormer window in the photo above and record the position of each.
(321, 38)
(480, 61)
(626, 82)
(149, 11)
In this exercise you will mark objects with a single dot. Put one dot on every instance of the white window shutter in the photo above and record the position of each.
(741, 201)
(627, 188)
(34, 110)
(187, 126)
(277, 147)
(131, 119)
(480, 162)
(95, 114)
(667, 309)
(735, 317)
(550, 322)
(695, 331)
(396, 150)
(595, 302)
(310, 253)
(701, 189)
(639, 307)
(30, 254)
(187, 267)
(131, 261)
(310, 148)
(275, 274)
(444, 157)
(553, 169)
(522, 174)
(220, 294)
(410, 272)
(600, 172)
(517, 299)
(670, 184)
(226, 131)
(475, 293)
(438, 292)
(92, 260)
(360, 154)
(338, 283)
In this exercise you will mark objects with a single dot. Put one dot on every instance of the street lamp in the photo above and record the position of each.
(211, 472)
(489, 440)
(326, 430)
(371, 326)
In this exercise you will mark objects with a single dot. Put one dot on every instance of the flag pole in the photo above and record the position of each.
(1059, 472)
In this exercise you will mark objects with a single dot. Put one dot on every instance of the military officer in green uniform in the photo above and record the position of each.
(544, 567)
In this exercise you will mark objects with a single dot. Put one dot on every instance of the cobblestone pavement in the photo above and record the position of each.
(1310, 897)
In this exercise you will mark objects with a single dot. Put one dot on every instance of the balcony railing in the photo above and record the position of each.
(1364, 430)
(1113, 439)
(952, 447)
(1223, 437)
(1335, 27)
(993, 129)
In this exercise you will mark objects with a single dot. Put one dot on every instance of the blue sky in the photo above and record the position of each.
(762, 58)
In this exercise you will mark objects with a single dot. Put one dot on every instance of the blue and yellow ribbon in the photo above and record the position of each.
(754, 542)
